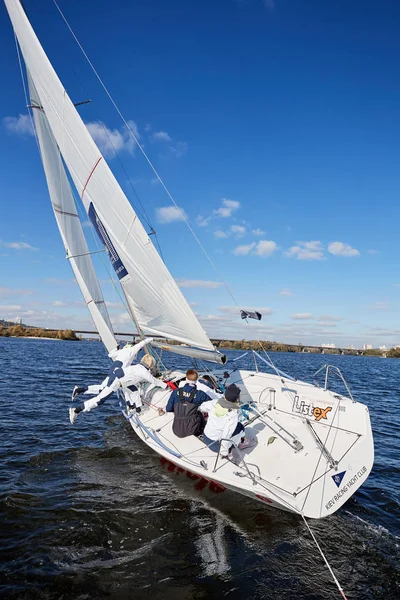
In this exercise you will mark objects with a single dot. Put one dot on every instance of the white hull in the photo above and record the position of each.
(322, 451)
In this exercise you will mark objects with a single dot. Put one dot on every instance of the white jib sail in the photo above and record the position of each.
(69, 223)
(152, 293)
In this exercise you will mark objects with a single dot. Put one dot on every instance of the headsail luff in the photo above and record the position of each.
(153, 295)
(69, 223)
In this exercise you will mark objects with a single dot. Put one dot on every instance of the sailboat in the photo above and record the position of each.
(313, 447)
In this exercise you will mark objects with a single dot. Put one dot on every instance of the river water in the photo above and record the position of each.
(88, 511)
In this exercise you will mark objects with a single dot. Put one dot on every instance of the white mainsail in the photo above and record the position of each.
(153, 296)
(69, 223)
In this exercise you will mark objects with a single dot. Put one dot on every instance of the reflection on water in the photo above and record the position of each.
(90, 512)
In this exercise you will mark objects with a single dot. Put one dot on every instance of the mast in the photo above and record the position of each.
(155, 301)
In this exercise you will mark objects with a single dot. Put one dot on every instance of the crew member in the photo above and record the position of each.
(128, 379)
(223, 422)
(121, 358)
(184, 403)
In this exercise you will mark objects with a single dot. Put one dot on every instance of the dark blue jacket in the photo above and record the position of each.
(187, 389)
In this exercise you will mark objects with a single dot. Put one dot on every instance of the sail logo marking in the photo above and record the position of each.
(309, 410)
(338, 478)
(109, 246)
(356, 479)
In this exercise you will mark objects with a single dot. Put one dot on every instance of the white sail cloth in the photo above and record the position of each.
(69, 223)
(152, 294)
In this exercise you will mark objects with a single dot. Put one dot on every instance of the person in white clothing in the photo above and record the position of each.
(128, 379)
(223, 422)
(121, 358)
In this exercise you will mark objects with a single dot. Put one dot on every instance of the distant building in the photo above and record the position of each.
(367, 347)
(351, 347)
(382, 348)
(328, 346)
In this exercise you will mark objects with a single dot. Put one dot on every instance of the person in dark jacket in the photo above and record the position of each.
(184, 403)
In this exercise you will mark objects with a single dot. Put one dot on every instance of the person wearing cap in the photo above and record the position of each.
(223, 422)
(121, 357)
(128, 379)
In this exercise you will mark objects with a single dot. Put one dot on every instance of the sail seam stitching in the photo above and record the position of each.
(90, 175)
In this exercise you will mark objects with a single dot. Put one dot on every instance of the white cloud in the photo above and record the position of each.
(19, 246)
(220, 234)
(285, 292)
(178, 149)
(114, 305)
(257, 231)
(244, 250)
(161, 136)
(197, 283)
(238, 230)
(202, 221)
(380, 306)
(60, 281)
(341, 249)
(227, 208)
(9, 307)
(261, 248)
(303, 317)
(330, 318)
(21, 125)
(307, 251)
(58, 303)
(265, 248)
(15, 292)
(169, 214)
(122, 319)
(372, 251)
(111, 141)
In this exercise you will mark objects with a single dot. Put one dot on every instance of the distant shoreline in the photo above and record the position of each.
(35, 337)
(37, 333)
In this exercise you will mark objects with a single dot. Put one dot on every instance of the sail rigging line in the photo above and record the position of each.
(26, 93)
(134, 137)
(129, 129)
(321, 452)
(142, 212)
(324, 558)
(85, 253)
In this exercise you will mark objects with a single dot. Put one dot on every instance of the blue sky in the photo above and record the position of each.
(275, 125)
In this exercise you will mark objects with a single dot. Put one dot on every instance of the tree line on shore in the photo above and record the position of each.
(68, 334)
(20, 331)
(280, 347)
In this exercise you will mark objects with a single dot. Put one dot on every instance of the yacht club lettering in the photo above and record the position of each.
(344, 489)
(309, 410)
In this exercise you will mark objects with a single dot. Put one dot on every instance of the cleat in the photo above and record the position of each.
(72, 415)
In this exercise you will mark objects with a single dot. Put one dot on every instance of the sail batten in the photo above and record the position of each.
(154, 297)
